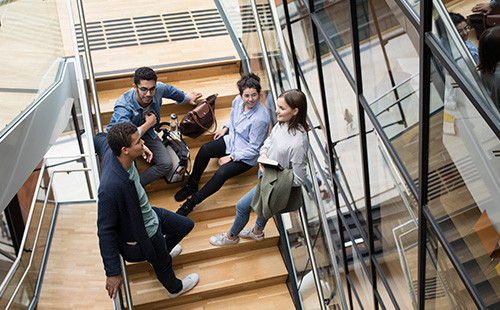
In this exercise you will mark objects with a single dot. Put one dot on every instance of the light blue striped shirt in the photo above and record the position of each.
(247, 131)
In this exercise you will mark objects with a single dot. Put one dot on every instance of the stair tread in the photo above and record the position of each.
(244, 269)
(270, 297)
(196, 247)
(225, 198)
(224, 85)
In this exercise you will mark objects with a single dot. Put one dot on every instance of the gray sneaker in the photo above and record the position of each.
(223, 239)
(187, 284)
(176, 251)
(248, 233)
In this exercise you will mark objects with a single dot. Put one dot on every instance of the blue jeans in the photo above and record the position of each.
(243, 209)
(172, 228)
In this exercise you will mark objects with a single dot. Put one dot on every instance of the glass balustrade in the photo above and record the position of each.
(32, 47)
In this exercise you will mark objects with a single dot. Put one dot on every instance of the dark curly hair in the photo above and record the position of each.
(144, 73)
(249, 80)
(120, 135)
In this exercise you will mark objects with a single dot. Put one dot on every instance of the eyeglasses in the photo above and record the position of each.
(145, 90)
(465, 29)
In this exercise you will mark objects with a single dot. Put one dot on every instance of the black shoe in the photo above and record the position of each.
(186, 207)
(185, 192)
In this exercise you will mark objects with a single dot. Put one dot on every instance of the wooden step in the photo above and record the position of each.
(126, 79)
(224, 85)
(218, 277)
(196, 247)
(275, 297)
(220, 204)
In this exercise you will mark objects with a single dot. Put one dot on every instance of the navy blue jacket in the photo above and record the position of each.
(120, 225)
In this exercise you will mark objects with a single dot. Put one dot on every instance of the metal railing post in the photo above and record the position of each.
(264, 51)
(90, 67)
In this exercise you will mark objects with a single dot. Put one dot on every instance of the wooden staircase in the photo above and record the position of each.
(247, 275)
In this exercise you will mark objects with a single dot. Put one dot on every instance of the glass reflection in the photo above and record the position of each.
(28, 68)
(444, 288)
(463, 186)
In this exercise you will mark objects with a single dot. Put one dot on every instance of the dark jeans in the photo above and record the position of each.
(161, 162)
(213, 149)
(174, 227)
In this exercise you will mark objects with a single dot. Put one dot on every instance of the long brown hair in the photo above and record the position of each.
(489, 50)
(296, 99)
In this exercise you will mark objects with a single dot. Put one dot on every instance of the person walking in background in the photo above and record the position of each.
(288, 145)
(348, 119)
(489, 62)
(126, 222)
(463, 30)
(141, 107)
(236, 145)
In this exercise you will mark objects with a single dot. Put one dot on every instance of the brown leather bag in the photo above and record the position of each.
(481, 22)
(200, 119)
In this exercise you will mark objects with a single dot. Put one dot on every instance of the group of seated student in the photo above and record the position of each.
(129, 226)
(487, 56)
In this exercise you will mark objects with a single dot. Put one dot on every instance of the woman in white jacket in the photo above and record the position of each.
(287, 144)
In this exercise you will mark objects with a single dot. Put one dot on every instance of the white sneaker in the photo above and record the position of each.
(222, 239)
(176, 251)
(187, 284)
(248, 233)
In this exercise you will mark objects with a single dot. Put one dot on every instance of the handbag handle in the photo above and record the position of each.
(195, 118)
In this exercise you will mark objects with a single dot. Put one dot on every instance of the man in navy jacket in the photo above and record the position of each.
(126, 222)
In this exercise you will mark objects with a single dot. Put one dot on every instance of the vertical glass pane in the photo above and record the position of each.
(464, 178)
(32, 253)
(28, 68)
(394, 230)
(443, 287)
(336, 24)
(388, 55)
(454, 45)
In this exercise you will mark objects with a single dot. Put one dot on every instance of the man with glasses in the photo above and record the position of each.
(141, 107)
(463, 30)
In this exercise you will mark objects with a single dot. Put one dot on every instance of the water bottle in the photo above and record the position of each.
(173, 123)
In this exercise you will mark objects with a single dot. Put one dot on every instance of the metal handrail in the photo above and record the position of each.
(236, 41)
(263, 47)
(322, 214)
(88, 58)
(16, 264)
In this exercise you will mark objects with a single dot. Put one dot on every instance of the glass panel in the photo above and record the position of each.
(33, 251)
(29, 67)
(395, 248)
(464, 178)
(298, 249)
(388, 55)
(336, 23)
(454, 45)
(443, 287)
(321, 251)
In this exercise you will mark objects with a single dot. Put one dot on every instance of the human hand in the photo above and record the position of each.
(261, 166)
(224, 160)
(147, 155)
(150, 119)
(193, 96)
(113, 284)
(485, 8)
(221, 133)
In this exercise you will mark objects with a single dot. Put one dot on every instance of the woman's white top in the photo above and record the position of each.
(289, 149)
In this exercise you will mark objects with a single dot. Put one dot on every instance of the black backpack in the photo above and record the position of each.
(179, 153)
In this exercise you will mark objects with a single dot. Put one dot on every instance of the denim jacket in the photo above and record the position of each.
(127, 109)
